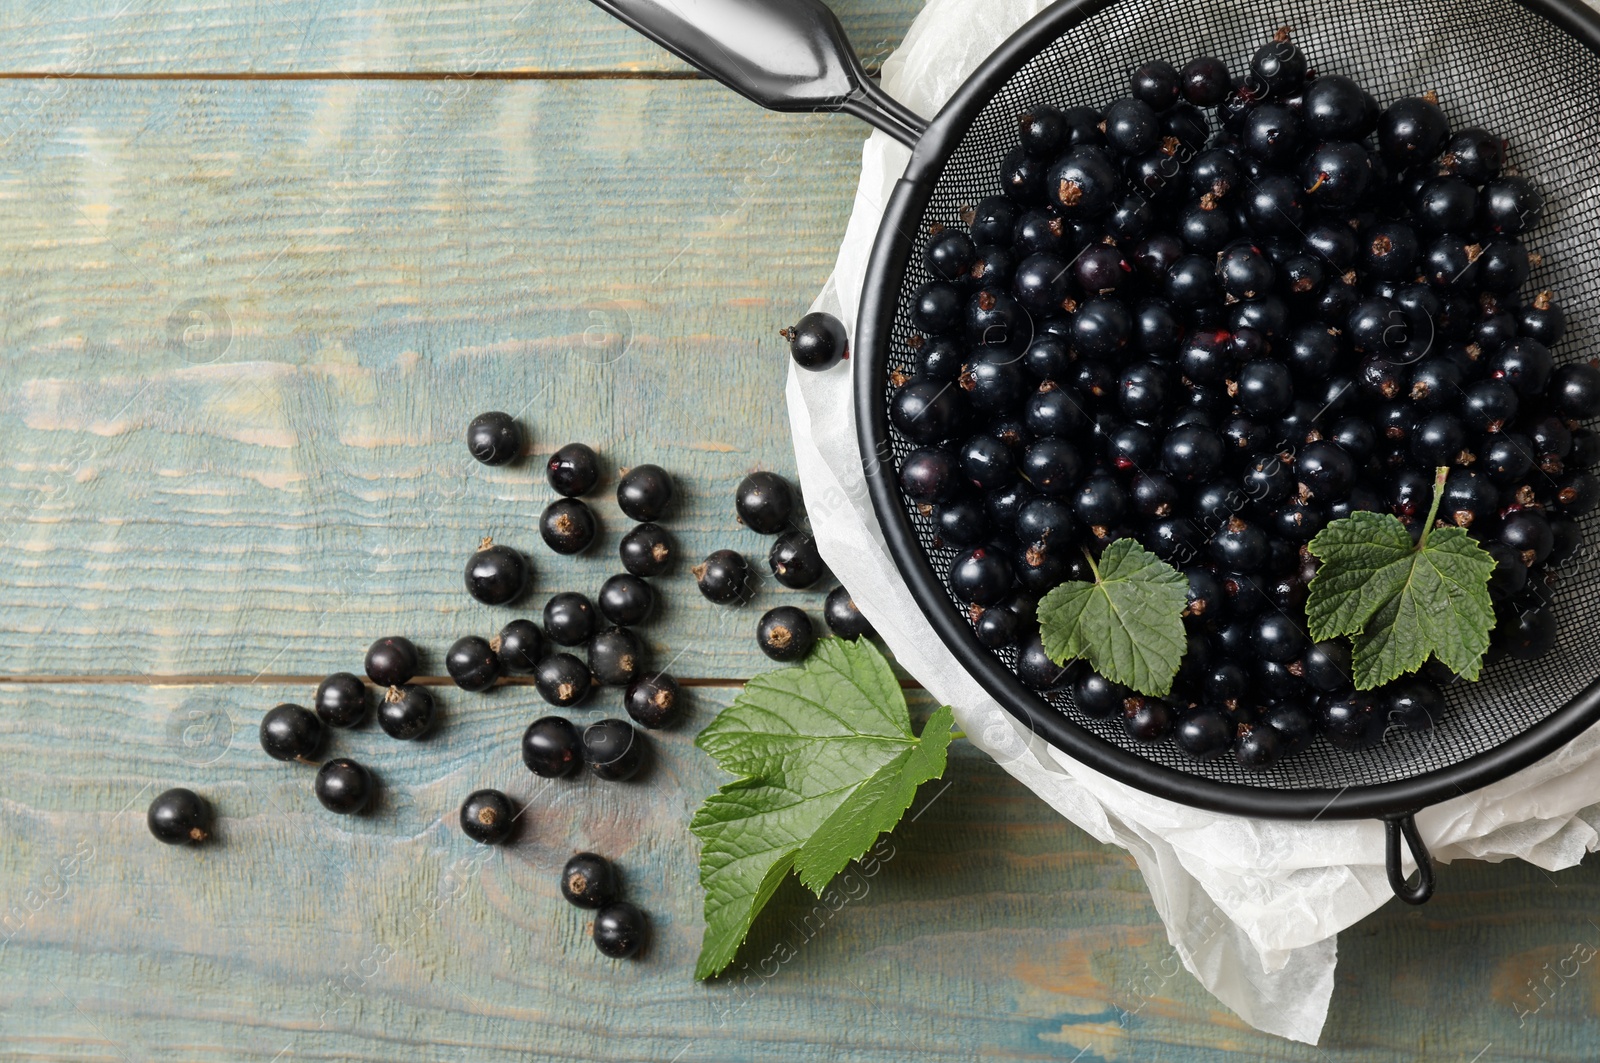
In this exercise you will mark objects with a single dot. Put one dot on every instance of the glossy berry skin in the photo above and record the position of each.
(817, 342)
(644, 492)
(569, 618)
(1336, 108)
(1543, 319)
(406, 712)
(1204, 733)
(987, 463)
(1192, 453)
(519, 646)
(344, 787)
(794, 559)
(1275, 637)
(616, 657)
(391, 661)
(1438, 440)
(619, 930)
(724, 577)
(342, 700)
(1411, 703)
(1001, 625)
(472, 663)
(653, 700)
(568, 526)
(1411, 132)
(646, 550)
(179, 817)
(1205, 81)
(1239, 546)
(785, 634)
(1035, 668)
(924, 410)
(980, 576)
(589, 881)
(498, 575)
(552, 748)
(487, 817)
(626, 599)
(1271, 134)
(1156, 83)
(1326, 469)
(1097, 696)
(1100, 501)
(291, 732)
(1147, 719)
(562, 680)
(1082, 184)
(1353, 721)
(949, 254)
(1052, 466)
(764, 502)
(928, 475)
(494, 438)
(1574, 391)
(1508, 206)
(573, 470)
(842, 616)
(613, 749)
(1265, 388)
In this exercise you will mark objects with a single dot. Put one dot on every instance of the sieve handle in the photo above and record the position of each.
(1406, 825)
(786, 55)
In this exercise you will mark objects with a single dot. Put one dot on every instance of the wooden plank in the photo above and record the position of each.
(245, 326)
(989, 929)
(278, 37)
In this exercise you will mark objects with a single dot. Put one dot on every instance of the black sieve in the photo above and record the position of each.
(1528, 69)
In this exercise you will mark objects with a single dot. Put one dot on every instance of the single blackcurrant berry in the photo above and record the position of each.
(653, 700)
(764, 502)
(569, 618)
(724, 577)
(1259, 748)
(1146, 719)
(619, 930)
(497, 575)
(392, 661)
(342, 700)
(551, 747)
(817, 342)
(794, 559)
(568, 526)
(494, 438)
(406, 712)
(179, 817)
(487, 816)
(473, 663)
(1204, 733)
(589, 881)
(573, 470)
(1411, 704)
(843, 618)
(785, 634)
(644, 492)
(616, 656)
(343, 786)
(291, 732)
(613, 749)
(626, 599)
(646, 550)
(1098, 696)
(562, 680)
(1353, 721)
(519, 646)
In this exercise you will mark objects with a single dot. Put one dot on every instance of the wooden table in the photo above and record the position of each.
(262, 262)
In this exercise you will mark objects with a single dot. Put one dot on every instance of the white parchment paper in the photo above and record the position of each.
(1253, 907)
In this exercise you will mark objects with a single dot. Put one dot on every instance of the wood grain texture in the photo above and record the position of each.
(989, 929)
(276, 37)
(245, 326)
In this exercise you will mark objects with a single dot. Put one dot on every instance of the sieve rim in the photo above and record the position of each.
(881, 291)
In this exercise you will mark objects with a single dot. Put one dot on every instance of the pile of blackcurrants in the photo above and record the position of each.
(1213, 317)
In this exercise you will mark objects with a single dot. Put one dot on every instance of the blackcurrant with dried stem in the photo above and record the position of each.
(785, 634)
(616, 656)
(570, 618)
(568, 526)
(794, 559)
(519, 646)
(653, 700)
(496, 574)
(764, 502)
(494, 438)
(589, 881)
(724, 577)
(562, 680)
(487, 816)
(646, 550)
(407, 712)
(842, 616)
(817, 342)
(180, 817)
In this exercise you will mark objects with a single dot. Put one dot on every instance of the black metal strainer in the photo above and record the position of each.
(1527, 69)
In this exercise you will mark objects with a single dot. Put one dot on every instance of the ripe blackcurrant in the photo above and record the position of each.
(616, 656)
(494, 438)
(644, 492)
(764, 502)
(1147, 719)
(646, 550)
(487, 817)
(842, 616)
(569, 618)
(551, 747)
(928, 475)
(1411, 704)
(562, 680)
(1327, 470)
(497, 575)
(1204, 733)
(179, 816)
(817, 342)
(589, 881)
(342, 700)
(1035, 668)
(291, 732)
(473, 663)
(406, 712)
(724, 577)
(391, 661)
(1206, 81)
(573, 470)
(626, 599)
(926, 410)
(343, 786)
(568, 526)
(619, 930)
(1510, 205)
(794, 559)
(1574, 391)
(613, 749)
(949, 253)
(1411, 131)
(653, 700)
(785, 633)
(519, 646)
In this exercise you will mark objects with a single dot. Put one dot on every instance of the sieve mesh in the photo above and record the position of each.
(1494, 64)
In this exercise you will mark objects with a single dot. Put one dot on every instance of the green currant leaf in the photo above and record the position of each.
(1128, 623)
(828, 762)
(1400, 602)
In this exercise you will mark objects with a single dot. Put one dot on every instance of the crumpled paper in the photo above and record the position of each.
(1252, 907)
